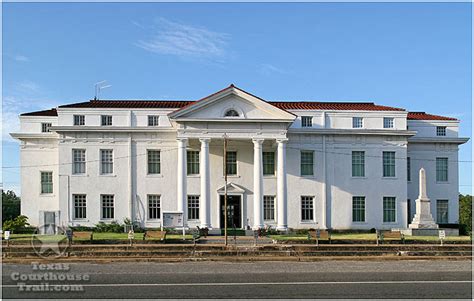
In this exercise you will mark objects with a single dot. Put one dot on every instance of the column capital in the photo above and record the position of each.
(258, 140)
(182, 139)
(282, 140)
(205, 140)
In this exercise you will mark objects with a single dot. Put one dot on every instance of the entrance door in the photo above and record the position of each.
(234, 211)
(50, 222)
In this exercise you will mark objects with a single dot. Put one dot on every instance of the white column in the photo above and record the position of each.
(181, 187)
(282, 224)
(205, 184)
(257, 184)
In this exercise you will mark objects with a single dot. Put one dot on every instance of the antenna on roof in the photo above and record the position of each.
(99, 86)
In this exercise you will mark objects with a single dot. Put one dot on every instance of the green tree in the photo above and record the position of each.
(465, 214)
(10, 205)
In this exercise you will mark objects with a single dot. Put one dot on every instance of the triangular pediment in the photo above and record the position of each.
(231, 188)
(232, 103)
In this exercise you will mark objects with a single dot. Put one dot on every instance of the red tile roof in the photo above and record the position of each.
(425, 116)
(285, 105)
(310, 105)
(50, 112)
(130, 104)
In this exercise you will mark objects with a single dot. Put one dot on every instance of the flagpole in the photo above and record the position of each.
(225, 189)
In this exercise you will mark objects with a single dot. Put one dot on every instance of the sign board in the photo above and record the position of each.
(131, 234)
(7, 235)
(442, 234)
(172, 220)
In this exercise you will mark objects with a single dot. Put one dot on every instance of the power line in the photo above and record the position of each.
(246, 144)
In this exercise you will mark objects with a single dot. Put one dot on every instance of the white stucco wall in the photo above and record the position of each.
(331, 184)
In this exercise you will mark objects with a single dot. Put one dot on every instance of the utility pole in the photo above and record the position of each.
(225, 189)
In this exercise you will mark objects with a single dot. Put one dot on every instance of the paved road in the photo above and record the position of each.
(327, 279)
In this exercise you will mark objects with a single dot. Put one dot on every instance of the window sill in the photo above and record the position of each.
(308, 222)
(151, 175)
(194, 176)
(360, 223)
(442, 182)
(389, 223)
(47, 195)
(308, 177)
(389, 178)
(269, 176)
(108, 220)
(153, 221)
(231, 176)
(107, 175)
(358, 178)
(82, 220)
(79, 175)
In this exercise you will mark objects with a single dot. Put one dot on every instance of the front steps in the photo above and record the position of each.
(166, 252)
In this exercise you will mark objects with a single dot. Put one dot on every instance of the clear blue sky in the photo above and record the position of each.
(414, 56)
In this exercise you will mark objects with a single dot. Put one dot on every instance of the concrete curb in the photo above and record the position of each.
(236, 259)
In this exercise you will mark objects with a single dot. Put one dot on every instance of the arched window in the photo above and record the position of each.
(231, 113)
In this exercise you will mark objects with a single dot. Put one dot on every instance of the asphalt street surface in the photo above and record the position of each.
(325, 279)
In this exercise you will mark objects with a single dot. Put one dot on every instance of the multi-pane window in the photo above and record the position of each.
(388, 122)
(442, 211)
(78, 161)
(357, 122)
(46, 182)
(268, 163)
(307, 208)
(408, 169)
(358, 209)
(269, 208)
(231, 164)
(106, 161)
(154, 162)
(306, 121)
(193, 207)
(389, 209)
(358, 164)
(154, 208)
(440, 131)
(107, 202)
(153, 120)
(388, 164)
(80, 211)
(307, 163)
(193, 162)
(79, 119)
(441, 169)
(45, 127)
(106, 120)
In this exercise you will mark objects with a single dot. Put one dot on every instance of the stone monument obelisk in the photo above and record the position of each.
(423, 222)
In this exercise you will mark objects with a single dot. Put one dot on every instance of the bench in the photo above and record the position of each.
(395, 235)
(83, 235)
(161, 235)
(319, 235)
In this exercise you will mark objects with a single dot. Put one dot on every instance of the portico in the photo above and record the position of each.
(237, 116)
(257, 199)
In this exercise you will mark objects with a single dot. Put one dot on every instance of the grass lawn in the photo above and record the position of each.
(97, 236)
(295, 237)
(366, 236)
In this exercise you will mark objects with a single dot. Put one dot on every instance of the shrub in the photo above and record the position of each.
(16, 224)
(113, 227)
(82, 228)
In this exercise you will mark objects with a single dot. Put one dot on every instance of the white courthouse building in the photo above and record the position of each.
(289, 164)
